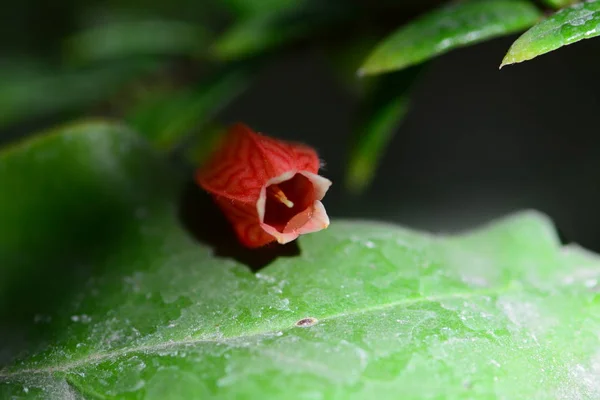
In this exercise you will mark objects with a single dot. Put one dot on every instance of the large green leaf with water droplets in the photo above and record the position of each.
(448, 28)
(569, 25)
(108, 296)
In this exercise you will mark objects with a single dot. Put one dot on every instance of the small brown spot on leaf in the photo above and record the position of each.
(306, 322)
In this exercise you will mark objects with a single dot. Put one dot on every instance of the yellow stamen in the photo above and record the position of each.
(276, 192)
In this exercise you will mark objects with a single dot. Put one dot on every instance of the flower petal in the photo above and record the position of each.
(282, 238)
(239, 172)
(320, 184)
(319, 220)
(246, 160)
(306, 159)
(245, 223)
(313, 219)
(235, 170)
(262, 198)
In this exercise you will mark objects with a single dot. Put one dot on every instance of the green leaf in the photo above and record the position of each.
(570, 25)
(371, 143)
(258, 33)
(367, 310)
(560, 3)
(344, 59)
(167, 117)
(197, 150)
(384, 106)
(256, 7)
(38, 91)
(136, 38)
(448, 28)
(67, 194)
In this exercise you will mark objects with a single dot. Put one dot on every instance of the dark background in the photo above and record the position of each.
(477, 144)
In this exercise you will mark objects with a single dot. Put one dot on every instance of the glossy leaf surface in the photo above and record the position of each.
(569, 25)
(367, 310)
(448, 28)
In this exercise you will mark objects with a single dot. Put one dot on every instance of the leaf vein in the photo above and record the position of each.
(6, 373)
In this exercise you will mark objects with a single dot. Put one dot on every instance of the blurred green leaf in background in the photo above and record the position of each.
(40, 90)
(169, 68)
(168, 116)
(385, 105)
(128, 39)
(560, 3)
(260, 32)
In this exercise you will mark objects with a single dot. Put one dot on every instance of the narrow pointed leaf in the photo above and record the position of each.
(567, 26)
(131, 306)
(448, 28)
(371, 142)
(384, 104)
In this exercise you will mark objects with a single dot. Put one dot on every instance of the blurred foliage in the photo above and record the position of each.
(167, 115)
(246, 8)
(385, 103)
(127, 39)
(168, 68)
(31, 90)
(559, 3)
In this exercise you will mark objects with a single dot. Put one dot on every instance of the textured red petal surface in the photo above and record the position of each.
(244, 219)
(247, 160)
(238, 173)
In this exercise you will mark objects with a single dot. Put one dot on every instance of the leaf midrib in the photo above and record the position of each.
(6, 373)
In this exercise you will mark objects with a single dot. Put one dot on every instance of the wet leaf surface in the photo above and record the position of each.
(448, 28)
(113, 298)
(569, 25)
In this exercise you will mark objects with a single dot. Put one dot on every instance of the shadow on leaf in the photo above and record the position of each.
(205, 221)
(60, 252)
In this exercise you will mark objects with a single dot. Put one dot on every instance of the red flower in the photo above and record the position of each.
(268, 189)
